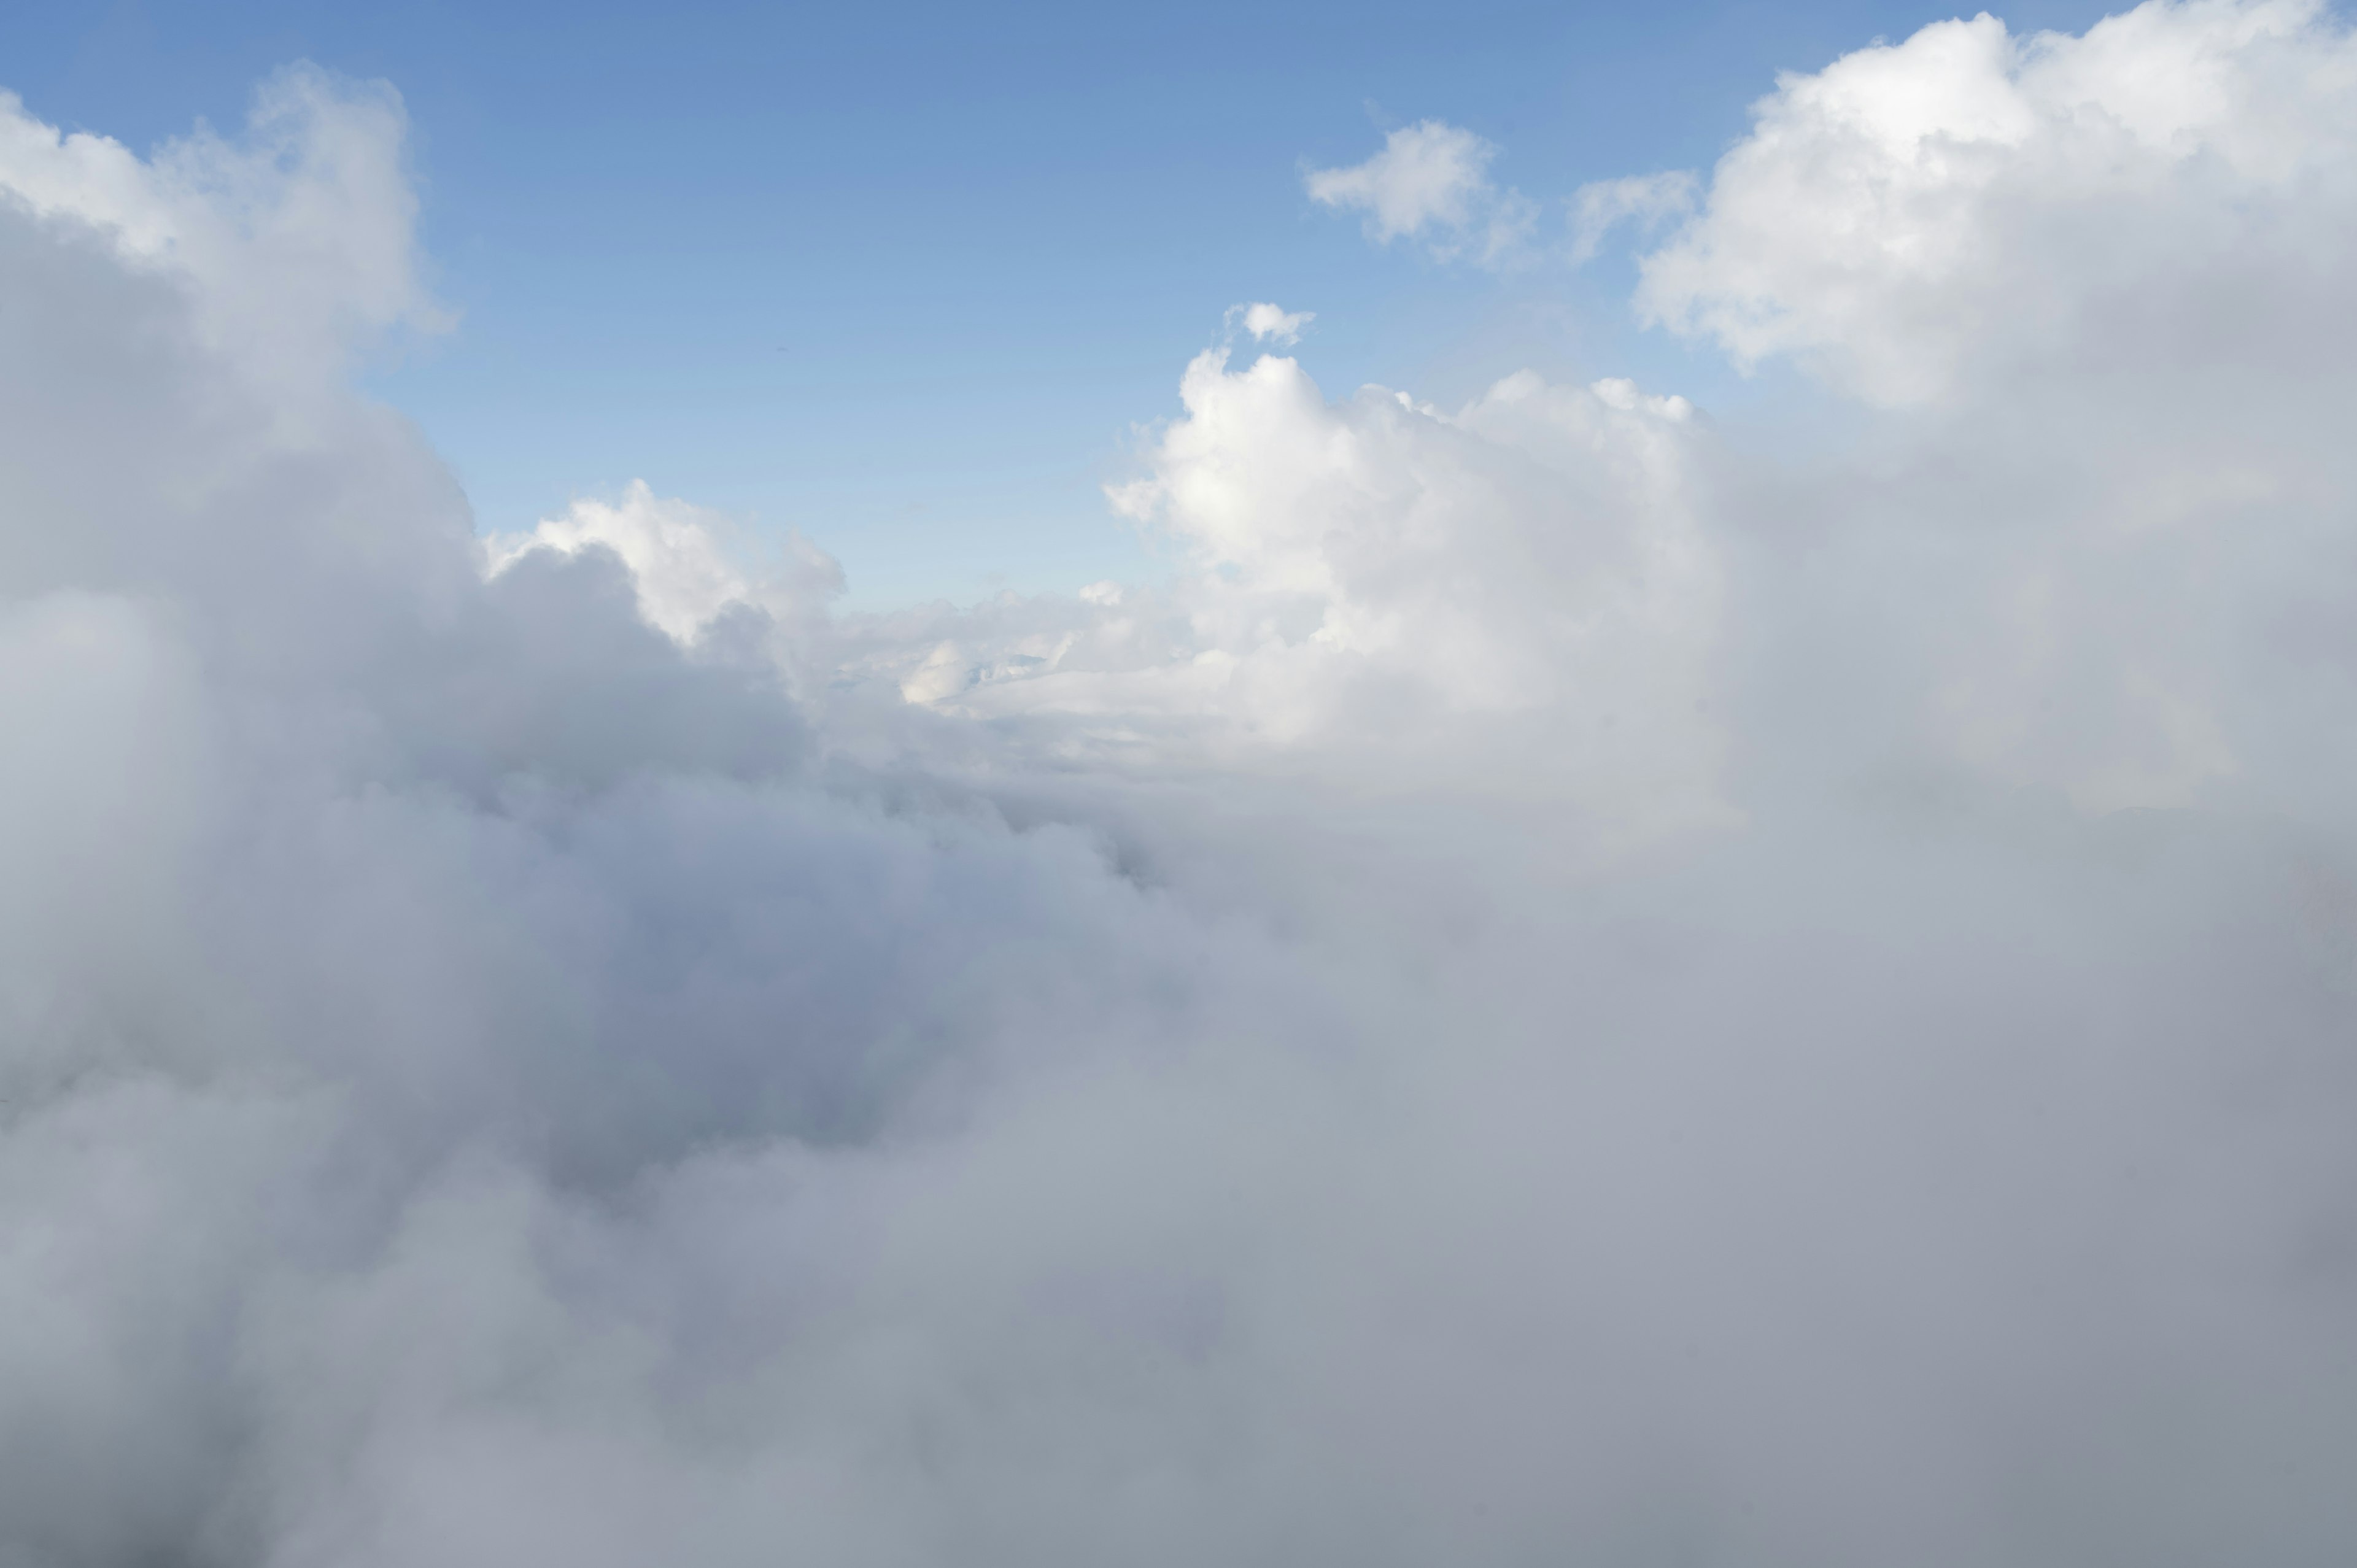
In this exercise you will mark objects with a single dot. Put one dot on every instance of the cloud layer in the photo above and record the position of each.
(1566, 989)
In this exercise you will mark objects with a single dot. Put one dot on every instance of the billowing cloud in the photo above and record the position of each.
(1430, 183)
(682, 569)
(298, 236)
(1568, 988)
(1384, 592)
(1921, 215)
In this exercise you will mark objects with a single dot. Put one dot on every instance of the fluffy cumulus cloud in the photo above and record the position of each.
(298, 235)
(1430, 183)
(1921, 218)
(2103, 276)
(683, 574)
(1573, 985)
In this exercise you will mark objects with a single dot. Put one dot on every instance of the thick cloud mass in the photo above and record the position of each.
(2169, 192)
(1565, 990)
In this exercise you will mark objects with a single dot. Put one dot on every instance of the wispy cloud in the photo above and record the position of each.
(1430, 184)
(1645, 200)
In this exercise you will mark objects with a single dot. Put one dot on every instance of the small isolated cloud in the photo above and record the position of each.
(1431, 182)
(1269, 323)
(1646, 200)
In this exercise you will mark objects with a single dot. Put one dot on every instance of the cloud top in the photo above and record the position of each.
(298, 236)
(1918, 211)
(682, 570)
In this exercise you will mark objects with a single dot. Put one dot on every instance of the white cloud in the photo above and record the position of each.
(685, 575)
(1266, 323)
(1645, 200)
(1533, 560)
(1429, 174)
(2104, 276)
(1920, 214)
(1430, 182)
(1565, 987)
(1532, 552)
(294, 239)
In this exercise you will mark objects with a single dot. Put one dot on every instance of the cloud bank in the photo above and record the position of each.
(1569, 988)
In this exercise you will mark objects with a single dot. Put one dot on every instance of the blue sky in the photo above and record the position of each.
(907, 277)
